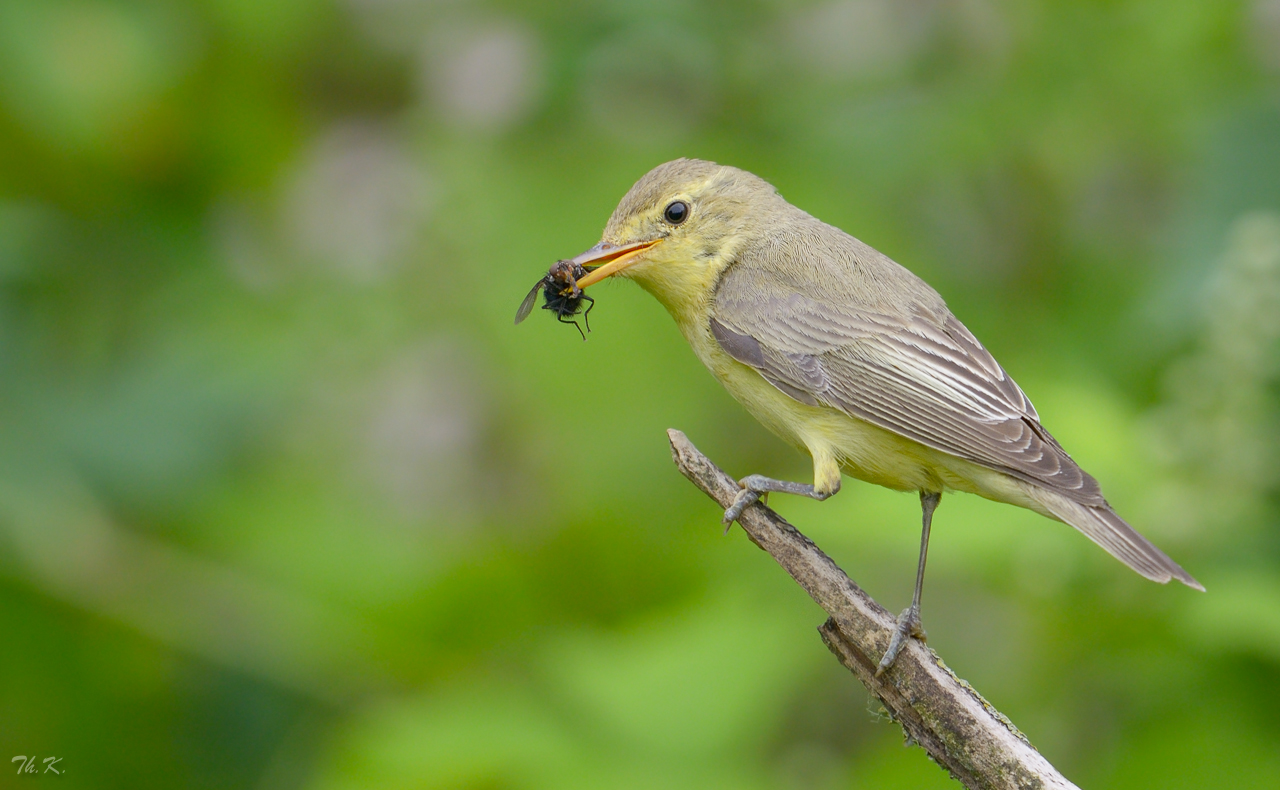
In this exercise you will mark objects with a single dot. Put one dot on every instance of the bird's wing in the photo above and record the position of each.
(921, 376)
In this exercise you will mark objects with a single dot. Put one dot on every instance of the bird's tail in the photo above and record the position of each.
(1108, 530)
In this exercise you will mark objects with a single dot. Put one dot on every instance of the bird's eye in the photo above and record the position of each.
(676, 212)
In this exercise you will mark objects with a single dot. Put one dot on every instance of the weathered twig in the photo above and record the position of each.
(959, 729)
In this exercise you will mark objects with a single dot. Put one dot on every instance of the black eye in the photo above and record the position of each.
(676, 212)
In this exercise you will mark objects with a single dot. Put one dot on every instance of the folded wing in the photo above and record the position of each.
(922, 376)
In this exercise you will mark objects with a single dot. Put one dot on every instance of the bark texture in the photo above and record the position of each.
(959, 729)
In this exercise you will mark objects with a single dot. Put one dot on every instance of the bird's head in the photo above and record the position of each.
(677, 229)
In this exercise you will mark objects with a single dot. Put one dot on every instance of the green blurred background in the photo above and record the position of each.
(287, 502)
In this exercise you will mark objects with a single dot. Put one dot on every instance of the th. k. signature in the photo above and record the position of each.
(27, 765)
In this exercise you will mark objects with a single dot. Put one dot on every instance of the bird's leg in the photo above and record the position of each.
(909, 621)
(756, 486)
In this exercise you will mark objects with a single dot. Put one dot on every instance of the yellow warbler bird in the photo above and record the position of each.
(846, 355)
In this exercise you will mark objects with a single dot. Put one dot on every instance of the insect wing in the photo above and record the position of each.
(526, 306)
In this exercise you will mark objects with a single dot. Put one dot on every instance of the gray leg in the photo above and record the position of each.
(909, 621)
(753, 486)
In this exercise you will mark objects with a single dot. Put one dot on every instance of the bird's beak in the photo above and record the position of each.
(605, 259)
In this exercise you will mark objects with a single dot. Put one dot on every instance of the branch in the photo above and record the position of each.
(959, 729)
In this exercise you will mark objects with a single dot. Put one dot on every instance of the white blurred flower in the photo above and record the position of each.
(399, 25)
(1263, 23)
(486, 78)
(426, 421)
(861, 38)
(357, 201)
(982, 28)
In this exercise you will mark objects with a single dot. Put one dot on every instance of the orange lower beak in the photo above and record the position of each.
(607, 259)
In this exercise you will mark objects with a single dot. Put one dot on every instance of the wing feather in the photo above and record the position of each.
(922, 376)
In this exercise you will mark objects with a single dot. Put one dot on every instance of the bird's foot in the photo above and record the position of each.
(758, 487)
(745, 499)
(908, 625)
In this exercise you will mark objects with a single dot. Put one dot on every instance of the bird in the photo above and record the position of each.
(847, 356)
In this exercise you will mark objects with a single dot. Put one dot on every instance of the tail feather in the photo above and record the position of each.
(1108, 530)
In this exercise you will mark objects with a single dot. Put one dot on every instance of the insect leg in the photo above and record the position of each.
(590, 304)
(561, 318)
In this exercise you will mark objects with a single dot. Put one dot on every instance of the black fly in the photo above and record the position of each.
(561, 295)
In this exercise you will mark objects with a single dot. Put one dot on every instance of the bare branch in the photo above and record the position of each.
(959, 729)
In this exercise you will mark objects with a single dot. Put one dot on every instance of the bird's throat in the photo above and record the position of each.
(685, 285)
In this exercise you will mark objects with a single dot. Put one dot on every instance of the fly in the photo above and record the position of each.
(561, 295)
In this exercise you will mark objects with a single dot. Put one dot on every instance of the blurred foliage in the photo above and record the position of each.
(287, 502)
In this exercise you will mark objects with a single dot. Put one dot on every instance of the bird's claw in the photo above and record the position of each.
(745, 498)
(908, 625)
